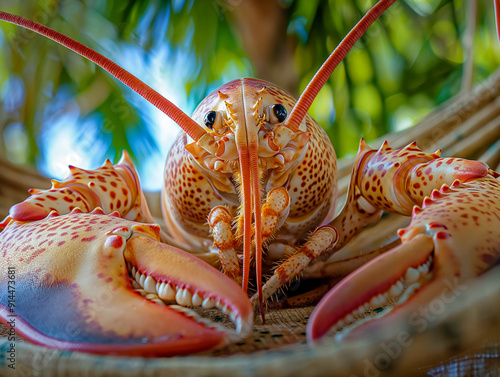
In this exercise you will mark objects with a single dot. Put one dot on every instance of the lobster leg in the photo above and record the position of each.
(224, 242)
(320, 241)
(357, 212)
(274, 213)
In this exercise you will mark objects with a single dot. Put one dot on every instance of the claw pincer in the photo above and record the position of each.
(81, 278)
(453, 236)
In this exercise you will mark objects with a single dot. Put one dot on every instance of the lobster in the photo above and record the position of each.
(244, 142)
(246, 139)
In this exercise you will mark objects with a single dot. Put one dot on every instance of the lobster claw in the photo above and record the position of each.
(371, 290)
(100, 284)
(452, 238)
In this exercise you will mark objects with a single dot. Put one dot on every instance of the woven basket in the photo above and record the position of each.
(461, 339)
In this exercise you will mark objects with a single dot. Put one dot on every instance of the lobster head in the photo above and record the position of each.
(247, 116)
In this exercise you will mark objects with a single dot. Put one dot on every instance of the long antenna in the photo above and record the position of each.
(318, 81)
(193, 129)
(497, 17)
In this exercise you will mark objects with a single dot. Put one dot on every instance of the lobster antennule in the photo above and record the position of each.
(247, 213)
(193, 129)
(318, 81)
(248, 154)
(256, 196)
(251, 199)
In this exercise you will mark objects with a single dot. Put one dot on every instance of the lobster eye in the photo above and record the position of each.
(280, 112)
(210, 119)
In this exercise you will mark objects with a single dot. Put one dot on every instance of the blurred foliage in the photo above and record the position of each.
(409, 62)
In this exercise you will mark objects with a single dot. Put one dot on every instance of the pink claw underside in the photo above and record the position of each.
(206, 339)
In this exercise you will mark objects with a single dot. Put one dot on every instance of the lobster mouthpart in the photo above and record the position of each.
(102, 284)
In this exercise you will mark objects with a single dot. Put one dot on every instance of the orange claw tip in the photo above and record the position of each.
(363, 145)
(445, 189)
(435, 194)
(427, 202)
(52, 214)
(412, 145)
(5, 222)
(26, 211)
(469, 169)
(416, 210)
(372, 279)
(385, 146)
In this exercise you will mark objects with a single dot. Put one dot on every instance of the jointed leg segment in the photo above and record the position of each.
(322, 240)
(220, 221)
(274, 212)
